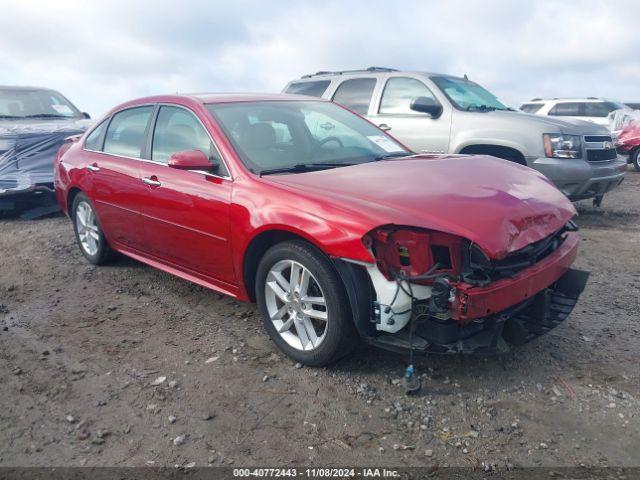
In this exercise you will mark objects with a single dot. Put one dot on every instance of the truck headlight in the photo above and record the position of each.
(557, 145)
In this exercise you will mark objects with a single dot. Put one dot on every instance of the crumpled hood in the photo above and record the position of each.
(499, 205)
(28, 147)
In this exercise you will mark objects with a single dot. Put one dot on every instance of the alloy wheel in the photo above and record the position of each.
(296, 305)
(87, 227)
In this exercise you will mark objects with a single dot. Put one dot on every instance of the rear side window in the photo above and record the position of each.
(125, 135)
(355, 94)
(531, 107)
(568, 109)
(398, 94)
(313, 89)
(94, 140)
(599, 109)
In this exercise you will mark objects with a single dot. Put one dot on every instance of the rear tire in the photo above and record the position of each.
(635, 159)
(304, 305)
(89, 236)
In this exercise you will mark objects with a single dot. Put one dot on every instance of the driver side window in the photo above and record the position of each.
(178, 130)
(398, 94)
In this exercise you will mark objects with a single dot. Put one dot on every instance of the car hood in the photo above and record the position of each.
(499, 205)
(545, 123)
(30, 126)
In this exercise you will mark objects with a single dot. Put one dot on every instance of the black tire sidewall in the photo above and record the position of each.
(635, 159)
(340, 335)
(102, 254)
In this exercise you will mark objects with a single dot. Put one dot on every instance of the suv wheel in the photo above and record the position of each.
(304, 305)
(89, 236)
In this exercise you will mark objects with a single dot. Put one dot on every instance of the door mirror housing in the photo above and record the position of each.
(86, 115)
(191, 160)
(426, 105)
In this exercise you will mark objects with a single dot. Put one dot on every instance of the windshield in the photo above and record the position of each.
(467, 95)
(30, 103)
(283, 136)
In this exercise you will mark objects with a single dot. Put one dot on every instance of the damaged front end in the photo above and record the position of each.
(436, 292)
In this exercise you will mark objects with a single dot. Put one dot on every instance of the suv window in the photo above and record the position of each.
(568, 109)
(94, 140)
(531, 107)
(600, 109)
(355, 94)
(125, 135)
(398, 94)
(313, 89)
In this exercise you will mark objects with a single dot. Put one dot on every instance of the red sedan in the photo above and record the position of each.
(332, 226)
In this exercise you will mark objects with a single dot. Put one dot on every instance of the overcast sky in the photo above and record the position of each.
(100, 53)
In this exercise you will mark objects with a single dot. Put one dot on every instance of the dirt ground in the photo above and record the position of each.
(84, 351)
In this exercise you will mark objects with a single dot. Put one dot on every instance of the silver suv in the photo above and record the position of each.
(436, 113)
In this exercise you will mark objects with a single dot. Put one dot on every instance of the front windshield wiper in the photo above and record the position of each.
(481, 108)
(9, 116)
(303, 167)
(391, 155)
(46, 115)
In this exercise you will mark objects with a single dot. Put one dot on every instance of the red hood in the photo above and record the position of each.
(499, 205)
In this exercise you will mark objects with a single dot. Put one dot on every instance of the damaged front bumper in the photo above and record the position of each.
(485, 318)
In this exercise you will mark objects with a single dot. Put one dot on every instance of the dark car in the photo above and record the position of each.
(33, 125)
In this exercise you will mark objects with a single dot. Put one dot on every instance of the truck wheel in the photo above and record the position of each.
(635, 159)
(304, 305)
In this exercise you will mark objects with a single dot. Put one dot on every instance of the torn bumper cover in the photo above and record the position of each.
(515, 325)
(27, 153)
(489, 316)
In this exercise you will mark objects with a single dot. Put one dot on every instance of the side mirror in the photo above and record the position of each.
(426, 105)
(190, 160)
(86, 115)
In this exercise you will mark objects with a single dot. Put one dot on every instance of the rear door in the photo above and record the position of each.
(419, 131)
(113, 166)
(186, 213)
(356, 94)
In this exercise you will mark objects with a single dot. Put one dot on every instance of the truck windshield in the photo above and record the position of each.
(18, 103)
(298, 136)
(467, 95)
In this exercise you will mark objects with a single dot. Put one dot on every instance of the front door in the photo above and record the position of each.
(186, 213)
(419, 131)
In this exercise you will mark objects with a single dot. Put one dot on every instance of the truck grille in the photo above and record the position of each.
(602, 155)
(597, 138)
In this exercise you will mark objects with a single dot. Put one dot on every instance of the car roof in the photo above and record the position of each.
(568, 99)
(371, 71)
(212, 98)
(25, 87)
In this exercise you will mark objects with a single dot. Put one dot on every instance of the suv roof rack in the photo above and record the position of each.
(342, 72)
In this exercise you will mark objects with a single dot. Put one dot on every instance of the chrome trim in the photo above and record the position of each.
(153, 183)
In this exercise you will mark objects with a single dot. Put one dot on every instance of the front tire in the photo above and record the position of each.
(635, 159)
(304, 305)
(89, 236)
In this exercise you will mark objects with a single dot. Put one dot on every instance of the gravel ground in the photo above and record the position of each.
(125, 365)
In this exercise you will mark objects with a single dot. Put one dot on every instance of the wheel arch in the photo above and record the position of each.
(506, 152)
(71, 195)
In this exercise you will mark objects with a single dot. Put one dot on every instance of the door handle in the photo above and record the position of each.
(385, 127)
(93, 168)
(151, 181)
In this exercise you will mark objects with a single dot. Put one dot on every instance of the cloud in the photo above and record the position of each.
(102, 53)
